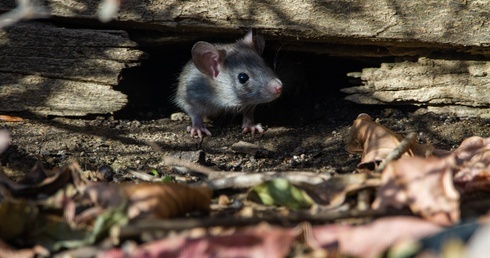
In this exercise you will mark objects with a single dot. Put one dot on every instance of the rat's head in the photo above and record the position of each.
(240, 75)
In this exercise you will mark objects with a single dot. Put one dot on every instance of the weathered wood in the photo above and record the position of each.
(460, 87)
(49, 96)
(342, 27)
(56, 71)
(394, 24)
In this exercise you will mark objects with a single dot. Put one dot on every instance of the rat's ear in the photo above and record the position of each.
(206, 58)
(255, 41)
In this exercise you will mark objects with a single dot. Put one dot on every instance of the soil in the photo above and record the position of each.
(305, 127)
(308, 138)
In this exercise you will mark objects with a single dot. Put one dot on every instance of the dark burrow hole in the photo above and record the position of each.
(312, 84)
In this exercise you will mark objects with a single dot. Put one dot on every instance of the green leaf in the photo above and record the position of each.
(281, 192)
(154, 172)
(111, 217)
(167, 179)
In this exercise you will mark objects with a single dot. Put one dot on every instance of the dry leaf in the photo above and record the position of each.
(376, 141)
(425, 185)
(259, 241)
(40, 183)
(372, 239)
(334, 191)
(473, 158)
(151, 200)
(165, 200)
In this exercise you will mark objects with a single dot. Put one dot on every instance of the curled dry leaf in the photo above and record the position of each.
(375, 141)
(151, 200)
(165, 200)
(473, 159)
(425, 185)
(372, 239)
(40, 183)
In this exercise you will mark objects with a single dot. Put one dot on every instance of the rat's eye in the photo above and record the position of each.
(243, 78)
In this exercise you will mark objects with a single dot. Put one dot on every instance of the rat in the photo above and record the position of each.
(226, 77)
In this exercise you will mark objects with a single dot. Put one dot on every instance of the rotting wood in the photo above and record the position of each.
(460, 87)
(49, 70)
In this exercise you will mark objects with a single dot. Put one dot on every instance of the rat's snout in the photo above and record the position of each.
(275, 86)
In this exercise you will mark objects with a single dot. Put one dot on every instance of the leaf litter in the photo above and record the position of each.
(401, 193)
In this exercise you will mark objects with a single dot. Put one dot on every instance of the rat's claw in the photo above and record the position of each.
(252, 129)
(198, 130)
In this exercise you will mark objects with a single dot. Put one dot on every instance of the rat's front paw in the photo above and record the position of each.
(252, 129)
(199, 130)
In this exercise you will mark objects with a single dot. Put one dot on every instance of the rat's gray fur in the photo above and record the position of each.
(201, 95)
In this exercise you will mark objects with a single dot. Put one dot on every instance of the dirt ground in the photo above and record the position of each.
(300, 135)
(305, 127)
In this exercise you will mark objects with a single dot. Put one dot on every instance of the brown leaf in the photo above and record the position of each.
(473, 158)
(372, 239)
(260, 241)
(39, 183)
(376, 141)
(165, 200)
(425, 185)
(333, 191)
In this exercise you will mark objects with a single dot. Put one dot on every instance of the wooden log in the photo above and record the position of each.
(56, 71)
(398, 25)
(459, 87)
(345, 27)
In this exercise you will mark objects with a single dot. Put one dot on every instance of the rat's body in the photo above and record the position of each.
(226, 77)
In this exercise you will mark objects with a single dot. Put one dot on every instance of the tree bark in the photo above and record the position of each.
(55, 71)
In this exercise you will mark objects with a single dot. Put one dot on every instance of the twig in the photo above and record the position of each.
(144, 176)
(403, 147)
(223, 180)
(249, 180)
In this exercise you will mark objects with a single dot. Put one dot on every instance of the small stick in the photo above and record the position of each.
(403, 147)
(189, 165)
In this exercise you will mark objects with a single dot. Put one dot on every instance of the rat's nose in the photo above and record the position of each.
(275, 86)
